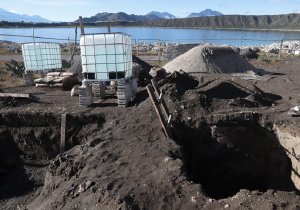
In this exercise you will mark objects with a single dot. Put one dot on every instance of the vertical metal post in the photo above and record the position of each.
(281, 44)
(81, 25)
(69, 47)
(242, 38)
(138, 47)
(108, 27)
(158, 50)
(33, 35)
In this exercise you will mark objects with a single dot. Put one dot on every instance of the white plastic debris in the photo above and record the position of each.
(296, 108)
(295, 111)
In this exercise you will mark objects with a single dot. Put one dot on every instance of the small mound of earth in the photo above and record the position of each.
(209, 59)
(183, 80)
(239, 95)
(177, 83)
(226, 90)
(188, 95)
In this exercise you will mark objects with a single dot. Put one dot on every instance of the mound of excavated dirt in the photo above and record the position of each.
(209, 59)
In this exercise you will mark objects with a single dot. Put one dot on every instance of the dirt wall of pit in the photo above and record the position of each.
(226, 153)
(38, 134)
(290, 140)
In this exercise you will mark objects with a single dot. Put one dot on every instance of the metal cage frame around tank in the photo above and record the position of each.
(105, 68)
(51, 55)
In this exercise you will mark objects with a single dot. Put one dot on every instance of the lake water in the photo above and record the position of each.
(230, 37)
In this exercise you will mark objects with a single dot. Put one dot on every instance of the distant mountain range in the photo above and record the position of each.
(164, 15)
(154, 15)
(104, 16)
(13, 17)
(205, 19)
(120, 16)
(286, 21)
(206, 13)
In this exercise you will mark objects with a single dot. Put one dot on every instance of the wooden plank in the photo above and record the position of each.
(162, 101)
(155, 86)
(16, 95)
(146, 66)
(63, 132)
(159, 113)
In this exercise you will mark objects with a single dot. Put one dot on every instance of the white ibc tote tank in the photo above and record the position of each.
(106, 56)
(41, 56)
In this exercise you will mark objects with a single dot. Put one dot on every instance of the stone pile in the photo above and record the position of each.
(288, 47)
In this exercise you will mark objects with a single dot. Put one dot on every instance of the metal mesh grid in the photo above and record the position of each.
(41, 56)
(106, 56)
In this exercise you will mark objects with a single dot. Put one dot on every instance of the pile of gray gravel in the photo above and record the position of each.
(209, 59)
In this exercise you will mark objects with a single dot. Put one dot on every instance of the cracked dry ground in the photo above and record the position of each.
(235, 147)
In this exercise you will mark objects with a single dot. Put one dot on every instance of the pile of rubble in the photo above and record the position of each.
(66, 80)
(152, 47)
(288, 47)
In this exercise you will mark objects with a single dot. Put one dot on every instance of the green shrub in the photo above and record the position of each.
(15, 67)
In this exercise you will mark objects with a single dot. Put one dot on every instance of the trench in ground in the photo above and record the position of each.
(29, 140)
(223, 158)
(228, 157)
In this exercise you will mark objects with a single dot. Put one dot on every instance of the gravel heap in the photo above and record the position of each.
(209, 59)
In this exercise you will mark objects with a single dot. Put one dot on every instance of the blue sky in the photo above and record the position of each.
(69, 10)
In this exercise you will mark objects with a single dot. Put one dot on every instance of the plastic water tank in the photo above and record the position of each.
(106, 56)
(41, 56)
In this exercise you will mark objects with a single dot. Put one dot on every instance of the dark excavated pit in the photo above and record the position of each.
(29, 140)
(229, 156)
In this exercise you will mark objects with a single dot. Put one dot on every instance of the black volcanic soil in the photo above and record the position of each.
(119, 158)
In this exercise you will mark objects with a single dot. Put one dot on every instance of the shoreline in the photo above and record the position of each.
(192, 28)
(287, 47)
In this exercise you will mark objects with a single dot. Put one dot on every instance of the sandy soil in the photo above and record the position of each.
(119, 158)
